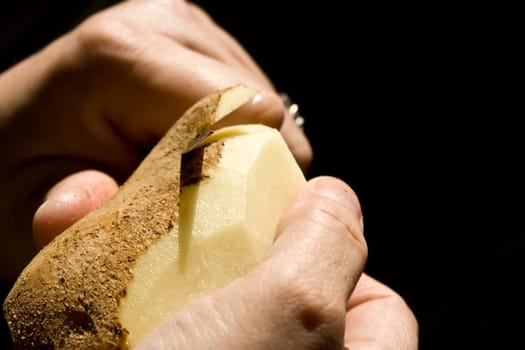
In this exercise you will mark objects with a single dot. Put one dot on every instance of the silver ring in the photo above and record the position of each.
(293, 109)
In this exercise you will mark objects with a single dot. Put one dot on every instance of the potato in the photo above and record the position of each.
(169, 235)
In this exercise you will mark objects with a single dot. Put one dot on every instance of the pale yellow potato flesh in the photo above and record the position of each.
(228, 223)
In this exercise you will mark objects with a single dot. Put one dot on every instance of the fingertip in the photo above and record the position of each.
(267, 108)
(320, 237)
(68, 201)
(336, 189)
(264, 108)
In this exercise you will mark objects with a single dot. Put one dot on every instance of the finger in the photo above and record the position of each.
(320, 241)
(165, 88)
(314, 265)
(295, 138)
(292, 133)
(230, 43)
(297, 142)
(379, 318)
(70, 200)
(296, 298)
(150, 81)
(190, 26)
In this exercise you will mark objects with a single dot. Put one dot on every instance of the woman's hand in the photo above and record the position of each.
(99, 98)
(308, 293)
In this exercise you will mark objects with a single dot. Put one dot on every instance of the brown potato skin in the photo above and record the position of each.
(68, 296)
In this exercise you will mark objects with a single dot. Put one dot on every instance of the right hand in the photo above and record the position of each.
(308, 293)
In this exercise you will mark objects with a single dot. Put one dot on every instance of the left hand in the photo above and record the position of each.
(99, 98)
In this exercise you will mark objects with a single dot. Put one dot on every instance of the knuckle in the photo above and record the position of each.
(312, 312)
(346, 230)
(104, 37)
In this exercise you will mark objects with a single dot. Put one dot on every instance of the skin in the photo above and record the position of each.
(78, 116)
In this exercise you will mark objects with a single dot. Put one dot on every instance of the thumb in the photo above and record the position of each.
(320, 239)
(68, 201)
(318, 257)
(295, 298)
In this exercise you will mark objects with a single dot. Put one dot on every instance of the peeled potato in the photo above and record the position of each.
(169, 235)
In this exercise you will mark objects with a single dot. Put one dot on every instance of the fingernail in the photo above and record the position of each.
(41, 207)
(257, 98)
(335, 189)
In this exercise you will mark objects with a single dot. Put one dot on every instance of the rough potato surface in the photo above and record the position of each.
(68, 296)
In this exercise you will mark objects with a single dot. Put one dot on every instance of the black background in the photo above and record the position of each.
(417, 107)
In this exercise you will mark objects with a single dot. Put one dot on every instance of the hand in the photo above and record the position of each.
(99, 98)
(308, 293)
